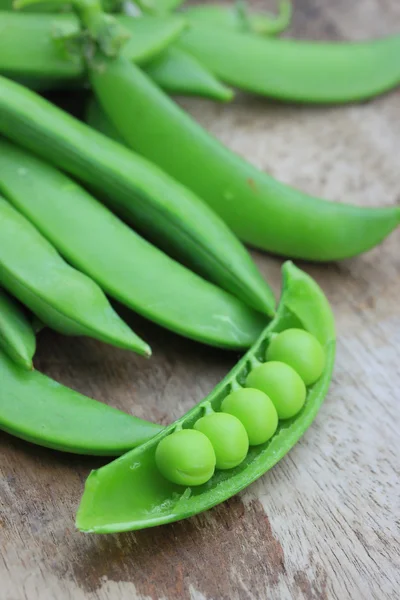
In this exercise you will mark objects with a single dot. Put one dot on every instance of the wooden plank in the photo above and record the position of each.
(322, 524)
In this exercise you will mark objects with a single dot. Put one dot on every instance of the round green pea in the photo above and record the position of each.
(186, 457)
(227, 436)
(255, 410)
(301, 350)
(282, 384)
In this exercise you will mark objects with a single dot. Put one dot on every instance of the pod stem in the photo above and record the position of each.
(235, 386)
(99, 29)
(273, 25)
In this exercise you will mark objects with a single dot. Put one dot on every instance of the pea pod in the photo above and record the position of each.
(37, 409)
(131, 493)
(125, 266)
(17, 338)
(260, 210)
(143, 194)
(239, 18)
(299, 71)
(178, 72)
(63, 298)
(29, 48)
(29, 54)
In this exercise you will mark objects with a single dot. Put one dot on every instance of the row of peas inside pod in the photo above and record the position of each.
(275, 390)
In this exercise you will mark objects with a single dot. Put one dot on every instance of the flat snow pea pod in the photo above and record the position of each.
(131, 493)
(63, 298)
(169, 213)
(178, 72)
(294, 70)
(37, 409)
(260, 210)
(29, 49)
(17, 338)
(125, 266)
(239, 18)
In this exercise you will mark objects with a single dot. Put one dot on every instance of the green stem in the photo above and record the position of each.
(102, 29)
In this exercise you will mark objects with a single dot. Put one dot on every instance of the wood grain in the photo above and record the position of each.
(324, 523)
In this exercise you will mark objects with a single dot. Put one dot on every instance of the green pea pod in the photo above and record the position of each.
(260, 210)
(239, 18)
(168, 212)
(124, 265)
(158, 7)
(17, 338)
(177, 72)
(28, 48)
(29, 54)
(63, 298)
(299, 71)
(131, 493)
(50, 7)
(37, 409)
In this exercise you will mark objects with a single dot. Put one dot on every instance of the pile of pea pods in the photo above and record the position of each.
(135, 197)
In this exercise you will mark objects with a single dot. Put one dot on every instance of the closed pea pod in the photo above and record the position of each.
(31, 45)
(260, 210)
(294, 70)
(17, 338)
(37, 409)
(239, 18)
(119, 498)
(30, 53)
(124, 265)
(178, 72)
(63, 298)
(143, 194)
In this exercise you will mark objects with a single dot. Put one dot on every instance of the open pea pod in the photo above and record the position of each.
(294, 70)
(17, 337)
(37, 409)
(62, 297)
(130, 493)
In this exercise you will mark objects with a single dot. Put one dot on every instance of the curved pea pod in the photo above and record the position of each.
(260, 210)
(37, 409)
(178, 72)
(300, 71)
(130, 493)
(32, 47)
(239, 18)
(156, 204)
(63, 298)
(17, 338)
(125, 266)
(51, 7)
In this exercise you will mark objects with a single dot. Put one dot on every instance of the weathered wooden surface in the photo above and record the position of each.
(321, 525)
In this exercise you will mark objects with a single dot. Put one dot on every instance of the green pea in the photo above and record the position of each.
(228, 438)
(300, 350)
(256, 411)
(186, 457)
(282, 384)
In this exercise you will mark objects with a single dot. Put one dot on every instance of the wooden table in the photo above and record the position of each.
(322, 524)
